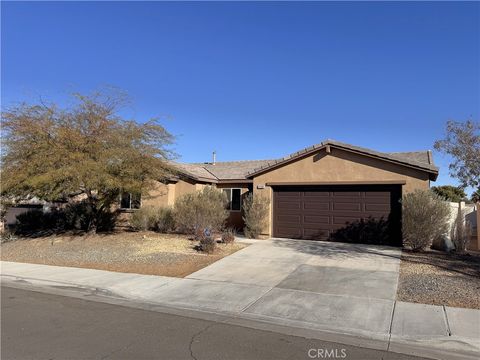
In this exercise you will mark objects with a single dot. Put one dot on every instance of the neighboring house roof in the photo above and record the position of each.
(243, 170)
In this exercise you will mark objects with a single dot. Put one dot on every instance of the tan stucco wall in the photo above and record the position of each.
(159, 196)
(338, 166)
(167, 194)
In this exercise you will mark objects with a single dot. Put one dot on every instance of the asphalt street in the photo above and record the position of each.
(36, 325)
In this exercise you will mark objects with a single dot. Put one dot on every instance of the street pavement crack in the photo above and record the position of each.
(195, 336)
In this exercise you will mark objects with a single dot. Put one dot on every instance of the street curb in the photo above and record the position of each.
(444, 348)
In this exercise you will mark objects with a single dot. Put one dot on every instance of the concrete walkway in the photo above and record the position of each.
(330, 287)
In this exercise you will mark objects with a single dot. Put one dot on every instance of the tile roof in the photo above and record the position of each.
(228, 170)
(420, 159)
(242, 170)
(195, 171)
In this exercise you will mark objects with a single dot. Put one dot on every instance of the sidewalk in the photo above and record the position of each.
(417, 329)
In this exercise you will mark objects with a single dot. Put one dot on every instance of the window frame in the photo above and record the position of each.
(130, 202)
(230, 201)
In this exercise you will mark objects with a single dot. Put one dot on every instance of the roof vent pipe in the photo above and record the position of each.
(214, 157)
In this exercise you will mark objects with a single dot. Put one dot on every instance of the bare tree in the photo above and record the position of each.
(462, 142)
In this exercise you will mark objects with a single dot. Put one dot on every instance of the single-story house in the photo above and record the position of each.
(313, 193)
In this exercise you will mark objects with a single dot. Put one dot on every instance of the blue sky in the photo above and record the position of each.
(257, 80)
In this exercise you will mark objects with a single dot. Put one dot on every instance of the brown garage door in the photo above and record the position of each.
(364, 214)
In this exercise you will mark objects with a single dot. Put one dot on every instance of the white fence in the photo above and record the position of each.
(471, 217)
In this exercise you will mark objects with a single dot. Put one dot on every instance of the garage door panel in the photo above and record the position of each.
(288, 194)
(315, 219)
(378, 194)
(317, 195)
(349, 206)
(383, 208)
(316, 234)
(294, 233)
(343, 194)
(321, 213)
(289, 205)
(317, 206)
(343, 220)
(289, 219)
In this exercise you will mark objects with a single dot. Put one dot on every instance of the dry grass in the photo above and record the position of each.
(135, 252)
(434, 277)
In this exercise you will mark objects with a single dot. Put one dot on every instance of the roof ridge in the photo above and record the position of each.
(403, 152)
(216, 177)
(224, 162)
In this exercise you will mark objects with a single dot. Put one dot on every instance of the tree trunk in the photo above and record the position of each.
(93, 211)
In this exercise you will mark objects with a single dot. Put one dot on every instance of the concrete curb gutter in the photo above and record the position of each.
(436, 347)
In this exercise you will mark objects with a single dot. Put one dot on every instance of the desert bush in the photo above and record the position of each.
(4, 205)
(152, 218)
(425, 218)
(39, 221)
(208, 243)
(80, 216)
(164, 221)
(228, 236)
(7, 236)
(255, 215)
(205, 209)
(143, 218)
(460, 232)
(75, 216)
(366, 231)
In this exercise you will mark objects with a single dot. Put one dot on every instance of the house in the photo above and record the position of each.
(314, 193)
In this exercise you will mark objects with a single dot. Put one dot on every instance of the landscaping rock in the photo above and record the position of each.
(443, 243)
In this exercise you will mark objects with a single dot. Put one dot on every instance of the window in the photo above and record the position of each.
(234, 197)
(130, 201)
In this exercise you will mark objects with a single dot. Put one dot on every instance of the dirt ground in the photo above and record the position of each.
(437, 278)
(134, 252)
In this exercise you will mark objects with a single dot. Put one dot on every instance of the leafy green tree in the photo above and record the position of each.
(462, 142)
(476, 196)
(87, 150)
(450, 193)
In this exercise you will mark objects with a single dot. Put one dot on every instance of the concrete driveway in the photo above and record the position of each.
(351, 288)
(341, 290)
(318, 267)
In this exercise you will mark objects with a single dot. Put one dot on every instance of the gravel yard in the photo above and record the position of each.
(437, 278)
(135, 252)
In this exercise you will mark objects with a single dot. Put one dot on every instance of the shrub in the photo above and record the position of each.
(7, 236)
(208, 244)
(38, 221)
(460, 232)
(366, 231)
(80, 216)
(141, 219)
(75, 216)
(164, 221)
(4, 205)
(228, 236)
(205, 209)
(255, 215)
(152, 218)
(425, 218)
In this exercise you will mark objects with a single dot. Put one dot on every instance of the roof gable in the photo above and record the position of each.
(421, 159)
